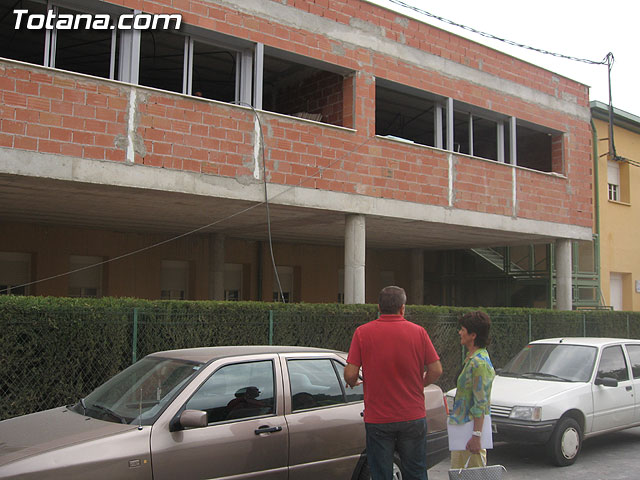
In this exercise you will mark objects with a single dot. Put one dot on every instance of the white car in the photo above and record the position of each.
(560, 391)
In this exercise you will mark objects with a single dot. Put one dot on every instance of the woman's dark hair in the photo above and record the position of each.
(479, 323)
(391, 299)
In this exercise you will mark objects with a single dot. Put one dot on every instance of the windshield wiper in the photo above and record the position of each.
(108, 411)
(544, 375)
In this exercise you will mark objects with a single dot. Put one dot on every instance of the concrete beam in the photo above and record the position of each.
(120, 174)
(360, 33)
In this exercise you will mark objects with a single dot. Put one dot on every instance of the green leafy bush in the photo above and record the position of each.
(57, 350)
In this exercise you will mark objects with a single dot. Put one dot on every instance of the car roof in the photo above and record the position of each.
(207, 354)
(590, 341)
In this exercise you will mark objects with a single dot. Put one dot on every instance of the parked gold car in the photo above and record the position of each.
(202, 413)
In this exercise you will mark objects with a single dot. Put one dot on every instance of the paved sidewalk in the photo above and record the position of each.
(615, 456)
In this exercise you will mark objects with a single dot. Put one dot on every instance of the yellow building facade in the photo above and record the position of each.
(618, 206)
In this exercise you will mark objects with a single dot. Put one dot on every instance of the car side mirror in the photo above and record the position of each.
(193, 419)
(606, 381)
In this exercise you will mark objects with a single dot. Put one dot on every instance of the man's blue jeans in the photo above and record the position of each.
(409, 439)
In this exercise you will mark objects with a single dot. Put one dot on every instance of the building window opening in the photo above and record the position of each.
(15, 271)
(462, 133)
(406, 116)
(183, 64)
(286, 282)
(21, 44)
(86, 279)
(87, 51)
(214, 72)
(534, 149)
(485, 138)
(585, 257)
(541, 257)
(83, 50)
(174, 280)
(613, 181)
(521, 258)
(162, 60)
(299, 90)
(233, 282)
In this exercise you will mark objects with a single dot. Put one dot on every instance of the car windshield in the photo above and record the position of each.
(138, 394)
(557, 362)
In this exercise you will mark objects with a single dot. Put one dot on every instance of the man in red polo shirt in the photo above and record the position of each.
(398, 360)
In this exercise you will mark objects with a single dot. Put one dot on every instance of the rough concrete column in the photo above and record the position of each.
(563, 275)
(216, 266)
(354, 258)
(416, 294)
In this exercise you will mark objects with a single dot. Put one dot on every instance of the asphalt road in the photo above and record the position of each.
(614, 456)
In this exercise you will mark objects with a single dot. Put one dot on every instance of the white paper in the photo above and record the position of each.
(459, 435)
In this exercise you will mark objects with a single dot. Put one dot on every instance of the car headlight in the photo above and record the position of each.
(526, 413)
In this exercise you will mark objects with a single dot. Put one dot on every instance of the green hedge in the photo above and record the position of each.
(56, 350)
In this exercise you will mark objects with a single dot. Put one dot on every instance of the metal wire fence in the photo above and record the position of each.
(47, 359)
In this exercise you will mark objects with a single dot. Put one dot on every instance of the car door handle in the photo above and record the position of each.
(628, 388)
(267, 429)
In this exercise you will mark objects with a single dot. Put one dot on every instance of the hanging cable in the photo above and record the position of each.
(612, 144)
(302, 181)
(266, 198)
(608, 60)
(494, 37)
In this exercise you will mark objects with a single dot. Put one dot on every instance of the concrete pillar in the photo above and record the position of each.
(354, 258)
(216, 266)
(563, 274)
(416, 293)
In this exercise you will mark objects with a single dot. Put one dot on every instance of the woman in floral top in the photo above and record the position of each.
(473, 388)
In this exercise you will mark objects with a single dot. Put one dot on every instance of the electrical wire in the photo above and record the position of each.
(608, 60)
(266, 198)
(635, 163)
(302, 181)
(494, 37)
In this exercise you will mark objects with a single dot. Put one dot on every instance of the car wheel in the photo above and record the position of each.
(565, 442)
(397, 473)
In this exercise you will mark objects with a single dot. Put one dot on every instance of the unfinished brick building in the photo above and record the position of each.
(382, 143)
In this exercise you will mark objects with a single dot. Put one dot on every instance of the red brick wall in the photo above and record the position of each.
(195, 135)
(321, 93)
(53, 112)
(483, 186)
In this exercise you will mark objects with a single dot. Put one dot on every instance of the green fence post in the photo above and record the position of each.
(134, 346)
(529, 329)
(270, 327)
(584, 324)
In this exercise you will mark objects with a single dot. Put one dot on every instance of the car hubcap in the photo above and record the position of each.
(570, 443)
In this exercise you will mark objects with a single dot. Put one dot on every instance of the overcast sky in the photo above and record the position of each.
(578, 28)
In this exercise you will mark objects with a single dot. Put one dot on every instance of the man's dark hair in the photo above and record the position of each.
(479, 323)
(391, 299)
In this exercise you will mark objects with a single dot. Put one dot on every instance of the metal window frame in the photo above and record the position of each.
(51, 39)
